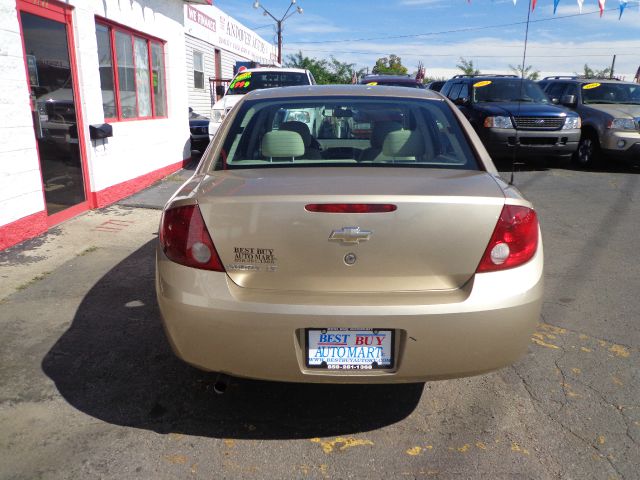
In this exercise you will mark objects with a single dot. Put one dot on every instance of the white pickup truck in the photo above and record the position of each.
(254, 79)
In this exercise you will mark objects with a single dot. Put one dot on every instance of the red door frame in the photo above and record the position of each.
(60, 12)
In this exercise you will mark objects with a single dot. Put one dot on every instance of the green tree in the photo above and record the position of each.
(391, 65)
(318, 68)
(589, 72)
(324, 71)
(467, 67)
(526, 72)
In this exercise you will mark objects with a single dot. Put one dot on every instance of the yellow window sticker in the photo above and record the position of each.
(589, 86)
(483, 83)
(243, 76)
(372, 83)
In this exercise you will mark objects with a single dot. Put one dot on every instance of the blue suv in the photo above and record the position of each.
(513, 114)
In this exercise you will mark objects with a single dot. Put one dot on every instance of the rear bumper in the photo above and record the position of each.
(503, 142)
(210, 328)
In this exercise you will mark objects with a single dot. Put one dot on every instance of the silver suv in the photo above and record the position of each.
(610, 112)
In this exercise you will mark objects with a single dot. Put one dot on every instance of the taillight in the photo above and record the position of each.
(350, 207)
(514, 240)
(185, 240)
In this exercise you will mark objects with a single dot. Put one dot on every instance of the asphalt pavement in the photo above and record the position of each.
(91, 389)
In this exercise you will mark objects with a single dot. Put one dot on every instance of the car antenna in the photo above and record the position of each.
(520, 96)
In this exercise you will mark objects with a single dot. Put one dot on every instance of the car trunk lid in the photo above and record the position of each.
(433, 240)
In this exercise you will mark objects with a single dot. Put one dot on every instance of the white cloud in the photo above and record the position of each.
(492, 55)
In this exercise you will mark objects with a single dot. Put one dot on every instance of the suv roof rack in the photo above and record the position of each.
(386, 75)
(485, 75)
(582, 77)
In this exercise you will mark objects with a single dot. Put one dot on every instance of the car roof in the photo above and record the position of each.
(343, 90)
(387, 77)
(275, 69)
(589, 80)
(475, 78)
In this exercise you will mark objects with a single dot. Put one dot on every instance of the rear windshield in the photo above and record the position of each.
(508, 90)
(248, 81)
(351, 131)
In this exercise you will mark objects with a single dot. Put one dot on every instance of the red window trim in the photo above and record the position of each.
(63, 13)
(149, 39)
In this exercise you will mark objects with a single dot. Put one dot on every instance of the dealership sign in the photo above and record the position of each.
(212, 25)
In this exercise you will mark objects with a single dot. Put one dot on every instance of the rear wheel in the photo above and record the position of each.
(588, 152)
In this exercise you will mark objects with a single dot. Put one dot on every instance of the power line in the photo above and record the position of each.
(407, 54)
(458, 30)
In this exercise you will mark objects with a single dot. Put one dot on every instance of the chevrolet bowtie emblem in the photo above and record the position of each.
(350, 235)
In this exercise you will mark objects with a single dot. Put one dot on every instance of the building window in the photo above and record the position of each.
(198, 70)
(132, 74)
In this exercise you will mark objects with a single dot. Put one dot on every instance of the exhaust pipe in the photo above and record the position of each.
(221, 384)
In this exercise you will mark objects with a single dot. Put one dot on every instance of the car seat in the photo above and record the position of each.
(403, 146)
(311, 145)
(282, 145)
(379, 132)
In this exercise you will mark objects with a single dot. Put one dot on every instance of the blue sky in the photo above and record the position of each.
(359, 31)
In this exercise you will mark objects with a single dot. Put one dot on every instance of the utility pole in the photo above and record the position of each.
(613, 65)
(279, 22)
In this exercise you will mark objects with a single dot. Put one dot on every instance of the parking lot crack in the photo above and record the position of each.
(529, 389)
(538, 405)
(564, 377)
(582, 440)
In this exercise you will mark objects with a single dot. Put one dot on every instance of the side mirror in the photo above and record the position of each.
(463, 101)
(555, 101)
(569, 100)
(220, 90)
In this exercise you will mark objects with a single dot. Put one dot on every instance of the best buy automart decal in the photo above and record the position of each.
(483, 83)
(589, 86)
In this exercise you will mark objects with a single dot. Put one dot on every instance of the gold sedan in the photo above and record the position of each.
(348, 234)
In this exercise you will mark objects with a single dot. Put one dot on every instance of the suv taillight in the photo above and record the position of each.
(514, 240)
(185, 240)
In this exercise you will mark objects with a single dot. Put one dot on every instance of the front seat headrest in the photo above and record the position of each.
(403, 143)
(299, 127)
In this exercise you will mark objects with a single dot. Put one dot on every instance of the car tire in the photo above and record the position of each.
(588, 152)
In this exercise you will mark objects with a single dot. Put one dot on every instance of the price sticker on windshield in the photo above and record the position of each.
(243, 76)
(589, 86)
(241, 81)
(372, 83)
(483, 83)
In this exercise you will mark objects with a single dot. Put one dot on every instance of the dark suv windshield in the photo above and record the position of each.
(248, 81)
(508, 90)
(596, 92)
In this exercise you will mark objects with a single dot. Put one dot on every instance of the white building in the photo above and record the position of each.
(214, 43)
(94, 100)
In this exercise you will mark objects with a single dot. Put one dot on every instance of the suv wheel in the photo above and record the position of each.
(588, 151)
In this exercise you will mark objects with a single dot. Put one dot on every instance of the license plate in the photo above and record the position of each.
(349, 349)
